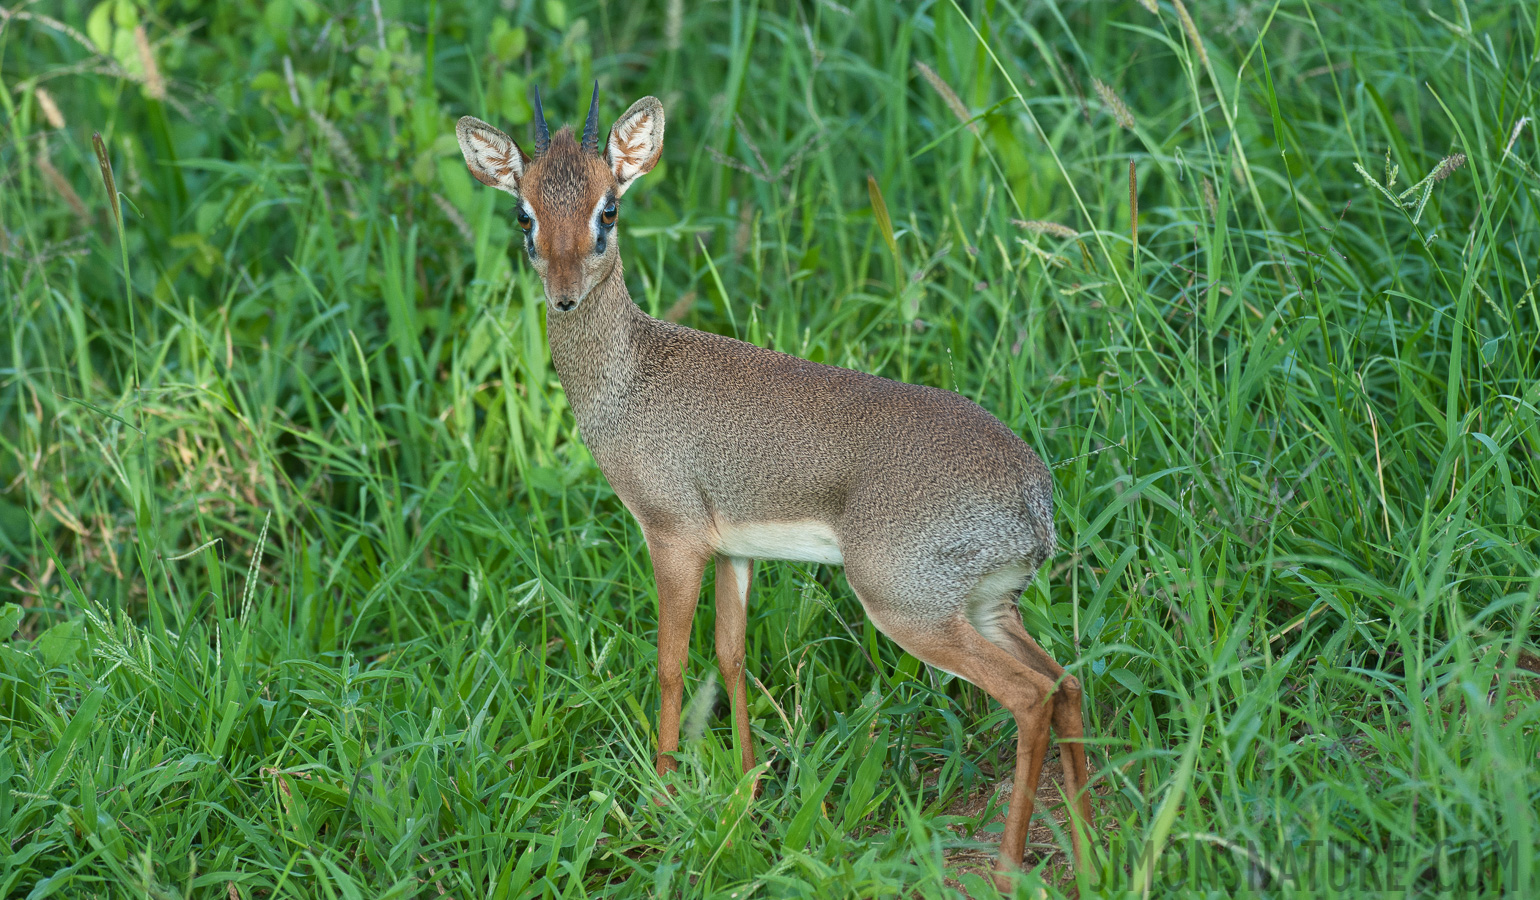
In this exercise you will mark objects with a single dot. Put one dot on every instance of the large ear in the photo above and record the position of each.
(636, 142)
(492, 156)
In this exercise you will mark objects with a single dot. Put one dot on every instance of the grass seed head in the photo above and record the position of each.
(673, 24)
(699, 710)
(453, 215)
(154, 83)
(1114, 104)
(55, 118)
(338, 144)
(60, 184)
(1513, 137)
(104, 162)
(953, 102)
(680, 308)
(1448, 165)
(1191, 28)
(1037, 226)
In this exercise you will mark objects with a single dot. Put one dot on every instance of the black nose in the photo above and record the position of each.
(565, 305)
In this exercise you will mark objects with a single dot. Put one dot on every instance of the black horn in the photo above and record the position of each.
(542, 130)
(591, 129)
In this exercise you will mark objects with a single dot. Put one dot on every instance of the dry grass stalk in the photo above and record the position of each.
(1209, 198)
(673, 24)
(61, 185)
(1114, 104)
(680, 308)
(1379, 463)
(1191, 28)
(154, 83)
(1038, 226)
(455, 219)
(953, 102)
(288, 76)
(744, 232)
(700, 707)
(1133, 208)
(764, 172)
(46, 21)
(1052, 259)
(55, 118)
(108, 181)
(338, 144)
(379, 22)
(1513, 137)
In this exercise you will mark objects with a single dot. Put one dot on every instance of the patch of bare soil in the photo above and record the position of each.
(1042, 849)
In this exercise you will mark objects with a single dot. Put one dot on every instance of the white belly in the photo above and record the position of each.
(807, 541)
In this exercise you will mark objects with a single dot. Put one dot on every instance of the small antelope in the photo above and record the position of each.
(938, 512)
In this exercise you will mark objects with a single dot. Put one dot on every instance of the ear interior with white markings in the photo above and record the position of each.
(493, 157)
(636, 142)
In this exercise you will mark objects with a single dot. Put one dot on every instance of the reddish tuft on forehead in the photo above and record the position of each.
(566, 180)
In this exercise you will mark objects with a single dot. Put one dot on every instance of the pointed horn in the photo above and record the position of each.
(591, 129)
(542, 131)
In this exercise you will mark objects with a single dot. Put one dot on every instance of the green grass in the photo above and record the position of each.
(320, 595)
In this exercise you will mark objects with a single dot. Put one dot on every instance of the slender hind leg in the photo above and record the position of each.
(734, 576)
(957, 647)
(1008, 633)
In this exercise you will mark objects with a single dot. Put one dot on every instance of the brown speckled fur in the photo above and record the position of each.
(941, 513)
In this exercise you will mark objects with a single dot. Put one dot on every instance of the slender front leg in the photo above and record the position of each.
(677, 568)
(734, 576)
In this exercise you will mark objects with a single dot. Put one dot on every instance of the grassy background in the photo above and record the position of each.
(318, 594)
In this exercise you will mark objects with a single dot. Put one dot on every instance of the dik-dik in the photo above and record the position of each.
(720, 449)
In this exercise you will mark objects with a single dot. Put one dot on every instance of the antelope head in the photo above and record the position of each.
(569, 192)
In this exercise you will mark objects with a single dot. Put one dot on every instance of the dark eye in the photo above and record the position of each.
(525, 222)
(607, 217)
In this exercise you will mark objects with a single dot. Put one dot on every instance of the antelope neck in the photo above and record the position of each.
(592, 346)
